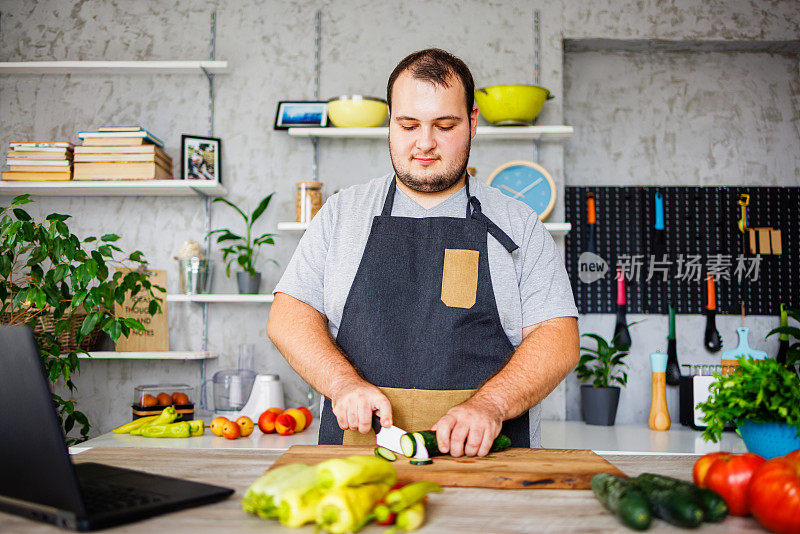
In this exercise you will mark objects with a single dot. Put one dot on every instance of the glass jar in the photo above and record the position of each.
(308, 201)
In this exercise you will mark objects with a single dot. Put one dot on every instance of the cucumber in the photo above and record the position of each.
(622, 498)
(714, 507)
(674, 505)
(501, 443)
(420, 462)
(386, 454)
(408, 445)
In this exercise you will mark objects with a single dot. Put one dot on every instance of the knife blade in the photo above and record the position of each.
(389, 438)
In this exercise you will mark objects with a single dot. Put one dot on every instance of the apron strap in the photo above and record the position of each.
(473, 210)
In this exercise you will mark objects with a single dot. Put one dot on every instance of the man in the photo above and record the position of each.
(407, 299)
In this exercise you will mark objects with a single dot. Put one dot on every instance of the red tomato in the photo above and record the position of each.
(774, 494)
(701, 466)
(730, 475)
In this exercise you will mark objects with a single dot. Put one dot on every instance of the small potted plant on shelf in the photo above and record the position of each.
(243, 250)
(763, 398)
(62, 288)
(788, 353)
(603, 367)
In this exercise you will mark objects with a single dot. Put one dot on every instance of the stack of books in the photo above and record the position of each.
(39, 161)
(121, 153)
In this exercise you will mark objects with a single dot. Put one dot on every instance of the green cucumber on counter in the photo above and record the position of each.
(621, 497)
(714, 507)
(408, 443)
(676, 506)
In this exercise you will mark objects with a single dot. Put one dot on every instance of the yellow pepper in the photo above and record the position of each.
(170, 430)
(355, 470)
(127, 427)
(265, 495)
(347, 509)
(166, 416)
(197, 427)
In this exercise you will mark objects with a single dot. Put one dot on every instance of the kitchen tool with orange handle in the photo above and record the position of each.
(591, 220)
(712, 340)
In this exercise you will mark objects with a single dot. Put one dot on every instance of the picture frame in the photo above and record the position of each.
(301, 114)
(201, 158)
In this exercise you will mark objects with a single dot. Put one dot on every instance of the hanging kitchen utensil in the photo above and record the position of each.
(622, 337)
(712, 341)
(743, 350)
(591, 220)
(783, 344)
(673, 369)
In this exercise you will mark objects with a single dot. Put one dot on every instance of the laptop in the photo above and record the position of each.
(37, 477)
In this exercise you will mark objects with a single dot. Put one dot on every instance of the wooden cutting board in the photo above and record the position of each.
(515, 468)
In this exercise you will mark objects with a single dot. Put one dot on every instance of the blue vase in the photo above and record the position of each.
(769, 439)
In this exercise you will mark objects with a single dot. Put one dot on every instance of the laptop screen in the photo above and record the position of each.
(33, 453)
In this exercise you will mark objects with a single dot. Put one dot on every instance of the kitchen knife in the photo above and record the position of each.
(389, 438)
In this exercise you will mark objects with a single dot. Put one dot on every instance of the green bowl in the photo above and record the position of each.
(511, 104)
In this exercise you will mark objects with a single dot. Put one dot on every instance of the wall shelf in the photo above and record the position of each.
(114, 67)
(543, 133)
(166, 355)
(221, 297)
(555, 228)
(168, 188)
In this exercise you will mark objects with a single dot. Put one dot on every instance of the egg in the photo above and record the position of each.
(164, 399)
(180, 397)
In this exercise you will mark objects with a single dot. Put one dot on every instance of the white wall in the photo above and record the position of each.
(270, 49)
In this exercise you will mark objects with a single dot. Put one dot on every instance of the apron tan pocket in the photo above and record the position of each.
(460, 277)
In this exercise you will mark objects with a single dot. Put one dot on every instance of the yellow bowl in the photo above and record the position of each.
(511, 104)
(356, 111)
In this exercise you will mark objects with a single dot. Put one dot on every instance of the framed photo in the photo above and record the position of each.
(201, 158)
(301, 114)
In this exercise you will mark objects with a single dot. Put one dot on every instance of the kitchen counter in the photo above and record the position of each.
(617, 439)
(459, 510)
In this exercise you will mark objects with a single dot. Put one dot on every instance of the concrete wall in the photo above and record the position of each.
(270, 50)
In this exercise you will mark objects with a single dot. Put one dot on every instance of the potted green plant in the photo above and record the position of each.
(243, 250)
(49, 278)
(602, 366)
(763, 398)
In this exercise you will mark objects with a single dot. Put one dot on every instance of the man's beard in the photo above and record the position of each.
(434, 183)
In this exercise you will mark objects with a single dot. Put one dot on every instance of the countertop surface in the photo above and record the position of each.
(459, 510)
(617, 439)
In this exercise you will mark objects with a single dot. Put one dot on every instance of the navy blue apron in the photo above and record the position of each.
(396, 328)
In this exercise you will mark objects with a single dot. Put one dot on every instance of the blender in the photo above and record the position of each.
(238, 392)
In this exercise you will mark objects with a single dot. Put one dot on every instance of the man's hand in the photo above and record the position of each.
(354, 403)
(468, 428)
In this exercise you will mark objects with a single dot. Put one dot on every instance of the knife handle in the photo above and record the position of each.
(376, 423)
(620, 286)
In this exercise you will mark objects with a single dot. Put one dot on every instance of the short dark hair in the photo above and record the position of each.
(437, 67)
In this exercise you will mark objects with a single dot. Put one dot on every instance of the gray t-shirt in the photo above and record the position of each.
(530, 284)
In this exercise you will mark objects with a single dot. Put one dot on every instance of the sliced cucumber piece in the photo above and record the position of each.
(422, 449)
(408, 445)
(420, 462)
(386, 454)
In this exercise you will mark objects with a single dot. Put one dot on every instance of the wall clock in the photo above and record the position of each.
(528, 182)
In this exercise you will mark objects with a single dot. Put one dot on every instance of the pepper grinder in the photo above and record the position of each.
(659, 415)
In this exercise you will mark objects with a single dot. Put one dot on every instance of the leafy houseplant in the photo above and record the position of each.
(603, 366)
(46, 272)
(759, 391)
(244, 249)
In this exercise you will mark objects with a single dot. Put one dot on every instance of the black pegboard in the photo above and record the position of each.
(700, 227)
